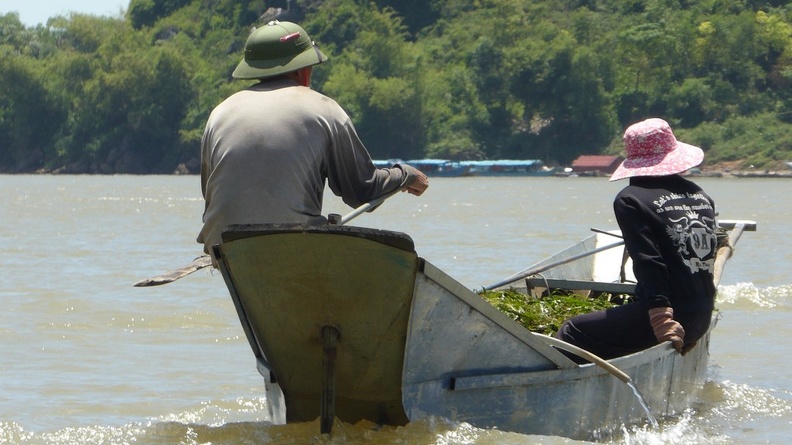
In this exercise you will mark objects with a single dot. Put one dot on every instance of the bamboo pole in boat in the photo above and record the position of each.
(725, 252)
(540, 269)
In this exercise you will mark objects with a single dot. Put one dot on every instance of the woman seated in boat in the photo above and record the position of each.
(668, 224)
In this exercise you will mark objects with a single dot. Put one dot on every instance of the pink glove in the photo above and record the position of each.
(666, 328)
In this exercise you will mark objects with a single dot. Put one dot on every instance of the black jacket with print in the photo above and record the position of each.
(668, 223)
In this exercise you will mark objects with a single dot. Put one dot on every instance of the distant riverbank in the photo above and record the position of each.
(737, 169)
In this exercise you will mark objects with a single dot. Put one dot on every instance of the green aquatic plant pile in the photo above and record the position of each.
(545, 314)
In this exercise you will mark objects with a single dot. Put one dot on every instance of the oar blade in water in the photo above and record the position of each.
(169, 277)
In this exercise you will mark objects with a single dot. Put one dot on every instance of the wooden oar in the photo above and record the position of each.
(604, 364)
(580, 352)
(206, 261)
(724, 253)
(169, 277)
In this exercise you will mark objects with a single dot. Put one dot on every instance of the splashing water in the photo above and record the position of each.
(645, 405)
(748, 296)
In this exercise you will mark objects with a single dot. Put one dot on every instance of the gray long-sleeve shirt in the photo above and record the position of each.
(267, 151)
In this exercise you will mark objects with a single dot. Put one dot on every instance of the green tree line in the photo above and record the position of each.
(453, 79)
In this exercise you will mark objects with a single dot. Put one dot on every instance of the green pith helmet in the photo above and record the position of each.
(277, 48)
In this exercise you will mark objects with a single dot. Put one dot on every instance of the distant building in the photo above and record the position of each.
(596, 164)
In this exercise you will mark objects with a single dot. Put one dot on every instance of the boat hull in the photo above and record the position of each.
(413, 342)
(477, 369)
(361, 287)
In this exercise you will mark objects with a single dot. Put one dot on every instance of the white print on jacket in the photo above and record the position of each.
(694, 240)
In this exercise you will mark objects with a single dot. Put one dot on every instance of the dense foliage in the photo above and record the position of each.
(546, 314)
(458, 79)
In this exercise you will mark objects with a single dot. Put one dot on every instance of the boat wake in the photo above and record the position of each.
(748, 296)
(431, 430)
(724, 410)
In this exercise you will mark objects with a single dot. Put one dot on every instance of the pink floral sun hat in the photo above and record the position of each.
(653, 150)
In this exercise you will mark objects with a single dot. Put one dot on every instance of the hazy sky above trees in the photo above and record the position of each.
(34, 12)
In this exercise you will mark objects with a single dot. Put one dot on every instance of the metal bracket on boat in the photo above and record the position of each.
(334, 219)
(330, 336)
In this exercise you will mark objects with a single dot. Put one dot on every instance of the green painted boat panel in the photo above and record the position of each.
(362, 287)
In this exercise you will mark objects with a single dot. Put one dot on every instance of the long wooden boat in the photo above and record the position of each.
(432, 167)
(350, 323)
(500, 167)
(440, 167)
(509, 167)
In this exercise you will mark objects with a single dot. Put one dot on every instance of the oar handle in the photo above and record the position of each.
(336, 219)
(205, 261)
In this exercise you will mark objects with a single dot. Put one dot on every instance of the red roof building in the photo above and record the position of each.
(596, 163)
